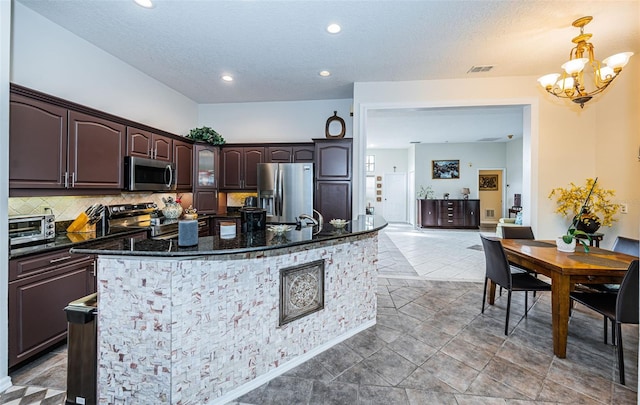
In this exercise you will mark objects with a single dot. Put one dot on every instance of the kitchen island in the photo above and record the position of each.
(208, 323)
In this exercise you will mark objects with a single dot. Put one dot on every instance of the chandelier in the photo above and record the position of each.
(584, 76)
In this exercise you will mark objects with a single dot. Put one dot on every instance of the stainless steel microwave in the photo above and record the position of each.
(142, 174)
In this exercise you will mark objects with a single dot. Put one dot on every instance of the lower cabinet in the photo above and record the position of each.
(448, 213)
(36, 302)
(333, 199)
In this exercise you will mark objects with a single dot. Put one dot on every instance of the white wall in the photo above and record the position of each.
(289, 121)
(50, 59)
(562, 143)
(472, 156)
(514, 170)
(5, 52)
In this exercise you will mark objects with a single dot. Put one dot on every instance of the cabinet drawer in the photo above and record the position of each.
(32, 265)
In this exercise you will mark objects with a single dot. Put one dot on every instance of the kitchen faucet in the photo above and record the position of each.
(316, 222)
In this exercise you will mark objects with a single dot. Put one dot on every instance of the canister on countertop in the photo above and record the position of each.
(253, 219)
(188, 233)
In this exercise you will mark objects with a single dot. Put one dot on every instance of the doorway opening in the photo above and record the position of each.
(491, 195)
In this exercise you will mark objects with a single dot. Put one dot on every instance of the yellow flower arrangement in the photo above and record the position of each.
(570, 201)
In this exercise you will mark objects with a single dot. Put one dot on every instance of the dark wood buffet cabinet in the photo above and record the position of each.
(448, 213)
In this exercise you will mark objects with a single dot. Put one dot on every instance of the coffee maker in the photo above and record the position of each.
(253, 219)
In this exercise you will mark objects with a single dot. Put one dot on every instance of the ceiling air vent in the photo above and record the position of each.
(488, 139)
(415, 142)
(480, 69)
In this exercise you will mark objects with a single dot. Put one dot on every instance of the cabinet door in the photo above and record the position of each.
(36, 308)
(206, 201)
(472, 213)
(205, 167)
(278, 154)
(450, 213)
(252, 156)
(37, 144)
(139, 142)
(302, 154)
(232, 163)
(333, 199)
(333, 159)
(96, 152)
(427, 213)
(183, 158)
(162, 148)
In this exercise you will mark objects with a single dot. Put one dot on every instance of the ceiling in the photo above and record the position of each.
(275, 49)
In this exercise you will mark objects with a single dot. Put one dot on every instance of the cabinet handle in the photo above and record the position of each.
(150, 154)
(94, 271)
(73, 179)
(59, 259)
(66, 179)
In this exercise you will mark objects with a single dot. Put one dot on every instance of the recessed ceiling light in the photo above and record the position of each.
(324, 73)
(144, 3)
(333, 28)
(227, 78)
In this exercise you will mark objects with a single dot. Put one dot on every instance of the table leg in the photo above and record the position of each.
(491, 294)
(560, 287)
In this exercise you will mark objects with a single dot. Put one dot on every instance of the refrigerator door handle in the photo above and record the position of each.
(280, 190)
(276, 193)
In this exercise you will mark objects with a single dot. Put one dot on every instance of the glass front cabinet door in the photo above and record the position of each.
(205, 191)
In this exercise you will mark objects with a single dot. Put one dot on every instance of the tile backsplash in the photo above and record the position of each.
(69, 207)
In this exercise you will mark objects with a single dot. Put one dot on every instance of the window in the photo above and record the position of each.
(371, 163)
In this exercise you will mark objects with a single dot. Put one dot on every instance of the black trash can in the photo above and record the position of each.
(82, 357)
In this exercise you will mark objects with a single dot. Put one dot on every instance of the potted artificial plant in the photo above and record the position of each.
(206, 134)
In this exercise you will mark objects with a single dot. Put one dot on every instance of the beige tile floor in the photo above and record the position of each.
(431, 345)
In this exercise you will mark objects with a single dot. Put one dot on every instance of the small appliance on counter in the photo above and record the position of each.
(25, 229)
(251, 201)
(252, 219)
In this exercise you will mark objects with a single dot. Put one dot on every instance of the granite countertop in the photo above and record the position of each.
(242, 243)
(64, 240)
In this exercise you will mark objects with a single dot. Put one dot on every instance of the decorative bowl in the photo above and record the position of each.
(280, 229)
(339, 223)
(172, 211)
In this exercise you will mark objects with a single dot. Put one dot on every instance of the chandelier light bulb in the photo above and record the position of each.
(618, 61)
(606, 73)
(549, 80)
(566, 84)
(574, 65)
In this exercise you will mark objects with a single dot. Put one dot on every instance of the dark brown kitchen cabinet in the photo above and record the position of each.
(333, 199)
(289, 153)
(40, 287)
(333, 158)
(146, 144)
(448, 213)
(240, 167)
(333, 171)
(96, 152)
(183, 158)
(205, 172)
(37, 144)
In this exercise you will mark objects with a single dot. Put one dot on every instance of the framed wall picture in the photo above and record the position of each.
(379, 178)
(488, 182)
(378, 192)
(379, 185)
(378, 199)
(445, 169)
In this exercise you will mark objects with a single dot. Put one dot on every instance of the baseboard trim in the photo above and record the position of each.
(5, 383)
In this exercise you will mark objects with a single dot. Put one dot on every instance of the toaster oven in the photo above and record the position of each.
(31, 228)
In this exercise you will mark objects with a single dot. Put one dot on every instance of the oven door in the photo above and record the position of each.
(143, 174)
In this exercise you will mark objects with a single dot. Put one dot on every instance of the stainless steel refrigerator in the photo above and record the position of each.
(285, 191)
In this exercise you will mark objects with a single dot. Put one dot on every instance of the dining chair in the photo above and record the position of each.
(517, 232)
(499, 271)
(619, 308)
(626, 245)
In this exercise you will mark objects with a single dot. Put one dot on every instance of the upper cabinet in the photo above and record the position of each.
(183, 158)
(55, 148)
(146, 144)
(96, 152)
(205, 187)
(287, 153)
(37, 144)
(240, 167)
(333, 159)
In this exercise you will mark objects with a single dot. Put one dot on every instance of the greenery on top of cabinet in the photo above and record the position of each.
(206, 134)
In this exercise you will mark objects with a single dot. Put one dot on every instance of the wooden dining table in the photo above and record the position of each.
(565, 270)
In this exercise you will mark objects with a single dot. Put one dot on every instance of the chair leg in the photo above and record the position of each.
(484, 293)
(606, 327)
(501, 291)
(620, 353)
(613, 332)
(526, 303)
(506, 325)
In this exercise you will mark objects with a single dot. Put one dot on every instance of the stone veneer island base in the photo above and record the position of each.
(194, 328)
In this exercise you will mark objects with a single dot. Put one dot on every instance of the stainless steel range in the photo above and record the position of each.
(142, 216)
